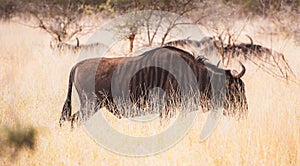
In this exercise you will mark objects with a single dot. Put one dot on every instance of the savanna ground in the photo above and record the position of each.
(34, 86)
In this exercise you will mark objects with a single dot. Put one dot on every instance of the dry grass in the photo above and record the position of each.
(34, 85)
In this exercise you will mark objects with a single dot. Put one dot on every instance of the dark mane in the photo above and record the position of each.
(199, 59)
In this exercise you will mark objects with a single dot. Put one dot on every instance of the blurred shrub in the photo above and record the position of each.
(15, 139)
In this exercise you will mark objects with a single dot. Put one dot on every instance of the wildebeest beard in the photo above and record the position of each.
(232, 98)
(236, 102)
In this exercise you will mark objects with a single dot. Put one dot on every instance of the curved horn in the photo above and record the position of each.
(77, 45)
(218, 63)
(58, 37)
(250, 39)
(235, 74)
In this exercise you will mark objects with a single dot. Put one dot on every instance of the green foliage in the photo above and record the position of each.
(264, 7)
(47, 8)
(175, 6)
(8, 8)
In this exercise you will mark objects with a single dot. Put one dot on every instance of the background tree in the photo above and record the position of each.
(61, 19)
(151, 21)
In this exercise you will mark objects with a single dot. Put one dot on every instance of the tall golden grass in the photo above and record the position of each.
(33, 83)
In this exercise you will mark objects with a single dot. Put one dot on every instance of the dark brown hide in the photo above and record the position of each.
(95, 79)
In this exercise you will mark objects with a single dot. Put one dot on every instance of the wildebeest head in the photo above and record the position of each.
(236, 103)
(234, 100)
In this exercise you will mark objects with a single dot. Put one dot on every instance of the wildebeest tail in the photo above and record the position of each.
(67, 108)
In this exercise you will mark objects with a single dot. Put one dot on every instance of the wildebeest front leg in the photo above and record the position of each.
(114, 110)
(74, 119)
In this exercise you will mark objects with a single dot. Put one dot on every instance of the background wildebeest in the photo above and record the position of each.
(269, 60)
(93, 79)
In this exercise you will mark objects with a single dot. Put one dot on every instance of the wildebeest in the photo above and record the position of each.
(97, 80)
(269, 60)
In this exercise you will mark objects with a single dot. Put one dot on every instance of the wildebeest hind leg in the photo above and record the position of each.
(66, 112)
